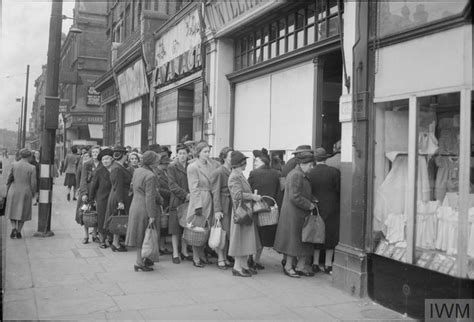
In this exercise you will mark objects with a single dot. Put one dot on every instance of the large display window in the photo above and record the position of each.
(423, 212)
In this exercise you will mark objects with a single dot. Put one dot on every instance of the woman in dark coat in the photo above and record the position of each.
(144, 208)
(161, 171)
(222, 201)
(119, 197)
(297, 204)
(178, 184)
(100, 190)
(325, 185)
(266, 181)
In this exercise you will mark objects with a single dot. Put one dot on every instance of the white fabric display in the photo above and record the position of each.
(396, 131)
(446, 239)
(449, 135)
(447, 177)
(395, 228)
(427, 143)
(426, 224)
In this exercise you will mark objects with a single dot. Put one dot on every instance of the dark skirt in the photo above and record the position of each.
(70, 180)
(267, 235)
(173, 224)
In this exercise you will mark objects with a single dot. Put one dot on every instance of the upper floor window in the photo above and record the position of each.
(305, 25)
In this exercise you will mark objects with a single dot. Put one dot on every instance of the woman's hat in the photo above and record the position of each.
(262, 155)
(165, 159)
(320, 154)
(119, 148)
(237, 159)
(25, 153)
(105, 152)
(305, 157)
(150, 157)
(303, 148)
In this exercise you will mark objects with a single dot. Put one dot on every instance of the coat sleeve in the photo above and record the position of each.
(86, 169)
(296, 197)
(174, 186)
(251, 180)
(10, 177)
(94, 185)
(164, 186)
(193, 183)
(119, 181)
(33, 180)
(216, 190)
(236, 190)
(65, 164)
(151, 190)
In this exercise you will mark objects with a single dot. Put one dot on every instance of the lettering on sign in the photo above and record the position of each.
(93, 97)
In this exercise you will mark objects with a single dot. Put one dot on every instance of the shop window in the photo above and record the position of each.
(420, 203)
(397, 16)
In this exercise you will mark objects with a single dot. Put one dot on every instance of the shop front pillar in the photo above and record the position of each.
(318, 101)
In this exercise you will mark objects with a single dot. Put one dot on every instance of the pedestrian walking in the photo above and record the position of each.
(21, 187)
(325, 186)
(119, 198)
(223, 202)
(244, 240)
(70, 166)
(100, 190)
(266, 182)
(178, 185)
(144, 208)
(200, 208)
(297, 204)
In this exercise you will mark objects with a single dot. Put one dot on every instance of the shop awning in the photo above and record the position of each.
(95, 131)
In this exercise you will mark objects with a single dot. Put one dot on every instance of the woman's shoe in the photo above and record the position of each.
(165, 252)
(328, 270)
(230, 259)
(220, 266)
(18, 234)
(176, 260)
(68, 197)
(13, 234)
(250, 270)
(228, 264)
(291, 273)
(198, 264)
(186, 257)
(85, 240)
(304, 273)
(95, 239)
(103, 245)
(142, 268)
(117, 249)
(315, 268)
(205, 261)
(148, 262)
(240, 273)
(259, 266)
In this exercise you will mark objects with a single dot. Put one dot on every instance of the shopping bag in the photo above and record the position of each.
(314, 229)
(182, 212)
(150, 248)
(215, 236)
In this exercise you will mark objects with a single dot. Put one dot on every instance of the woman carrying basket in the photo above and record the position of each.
(266, 181)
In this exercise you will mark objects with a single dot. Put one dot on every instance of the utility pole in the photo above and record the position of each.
(25, 109)
(20, 122)
(51, 113)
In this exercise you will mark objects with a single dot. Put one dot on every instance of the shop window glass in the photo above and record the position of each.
(282, 27)
(310, 35)
(333, 28)
(266, 34)
(300, 19)
(332, 6)
(322, 9)
(291, 23)
(265, 52)
(322, 34)
(273, 31)
(273, 49)
(251, 57)
(300, 39)
(258, 38)
(398, 16)
(251, 42)
(291, 42)
(281, 46)
(310, 14)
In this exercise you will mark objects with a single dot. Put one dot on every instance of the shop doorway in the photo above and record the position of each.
(185, 112)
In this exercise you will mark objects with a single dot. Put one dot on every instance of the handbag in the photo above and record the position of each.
(314, 229)
(118, 223)
(242, 214)
(150, 248)
(217, 235)
(182, 212)
(269, 218)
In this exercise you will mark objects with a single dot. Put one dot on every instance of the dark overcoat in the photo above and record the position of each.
(221, 195)
(163, 186)
(99, 191)
(325, 186)
(178, 184)
(87, 173)
(267, 183)
(120, 178)
(22, 187)
(296, 206)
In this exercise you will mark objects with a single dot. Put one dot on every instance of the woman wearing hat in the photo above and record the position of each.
(222, 201)
(100, 190)
(119, 198)
(297, 204)
(144, 208)
(161, 171)
(244, 240)
(70, 166)
(266, 181)
(325, 185)
(178, 184)
(21, 187)
(200, 208)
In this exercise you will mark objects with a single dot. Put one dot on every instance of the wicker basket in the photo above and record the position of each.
(196, 236)
(269, 218)
(89, 218)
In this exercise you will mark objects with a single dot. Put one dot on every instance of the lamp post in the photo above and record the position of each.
(25, 108)
(51, 113)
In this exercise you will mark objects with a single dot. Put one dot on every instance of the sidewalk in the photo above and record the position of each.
(59, 278)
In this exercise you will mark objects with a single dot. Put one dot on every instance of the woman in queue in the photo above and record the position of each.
(266, 181)
(100, 190)
(119, 198)
(21, 187)
(200, 201)
(244, 240)
(178, 184)
(223, 202)
(144, 209)
(133, 161)
(297, 204)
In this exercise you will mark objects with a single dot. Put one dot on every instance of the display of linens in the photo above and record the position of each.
(446, 238)
(395, 228)
(426, 224)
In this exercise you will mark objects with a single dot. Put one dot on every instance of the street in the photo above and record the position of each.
(60, 278)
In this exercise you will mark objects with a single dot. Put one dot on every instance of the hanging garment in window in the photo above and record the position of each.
(447, 179)
(426, 224)
(395, 228)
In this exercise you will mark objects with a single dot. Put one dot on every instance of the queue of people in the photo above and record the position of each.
(147, 187)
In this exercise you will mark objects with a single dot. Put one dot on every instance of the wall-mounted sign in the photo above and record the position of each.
(93, 97)
(132, 83)
(83, 120)
(185, 64)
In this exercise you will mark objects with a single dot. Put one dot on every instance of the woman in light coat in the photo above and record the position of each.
(21, 185)
(244, 239)
(200, 202)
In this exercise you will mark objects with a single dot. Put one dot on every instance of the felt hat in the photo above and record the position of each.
(320, 154)
(165, 159)
(305, 157)
(105, 152)
(237, 159)
(25, 153)
(302, 148)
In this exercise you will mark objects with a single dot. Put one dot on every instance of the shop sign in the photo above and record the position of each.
(187, 63)
(93, 97)
(132, 83)
(82, 120)
(221, 13)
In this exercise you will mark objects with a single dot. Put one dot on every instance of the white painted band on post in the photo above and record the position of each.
(44, 196)
(45, 171)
